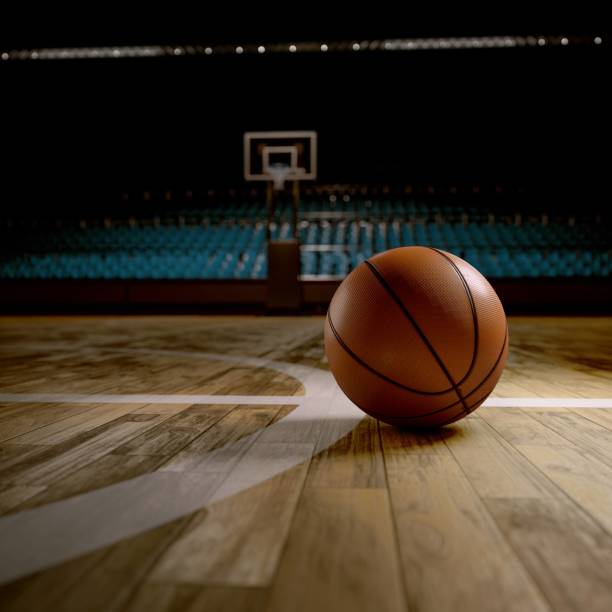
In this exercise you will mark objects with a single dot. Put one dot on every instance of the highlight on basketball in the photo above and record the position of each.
(304, 315)
(416, 337)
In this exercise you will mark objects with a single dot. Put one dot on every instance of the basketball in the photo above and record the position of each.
(416, 337)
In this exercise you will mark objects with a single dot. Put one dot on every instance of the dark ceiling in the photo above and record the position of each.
(92, 25)
(517, 116)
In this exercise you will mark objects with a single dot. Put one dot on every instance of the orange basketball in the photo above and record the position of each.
(416, 337)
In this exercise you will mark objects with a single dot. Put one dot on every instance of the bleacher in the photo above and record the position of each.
(228, 241)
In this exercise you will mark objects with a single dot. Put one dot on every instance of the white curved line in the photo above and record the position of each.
(547, 402)
(36, 539)
(173, 398)
(143, 398)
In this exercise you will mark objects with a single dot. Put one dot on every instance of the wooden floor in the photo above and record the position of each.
(231, 503)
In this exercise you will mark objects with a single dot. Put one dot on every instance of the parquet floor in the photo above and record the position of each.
(210, 463)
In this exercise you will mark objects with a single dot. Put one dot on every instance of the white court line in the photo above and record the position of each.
(42, 537)
(547, 402)
(141, 398)
(39, 538)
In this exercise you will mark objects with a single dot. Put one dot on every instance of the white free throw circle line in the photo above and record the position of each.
(40, 538)
(182, 398)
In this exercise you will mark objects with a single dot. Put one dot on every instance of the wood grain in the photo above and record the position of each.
(567, 554)
(187, 598)
(175, 433)
(238, 540)
(73, 425)
(600, 416)
(582, 432)
(208, 452)
(565, 551)
(453, 554)
(26, 418)
(13, 496)
(508, 509)
(491, 464)
(341, 555)
(57, 461)
(355, 461)
(582, 476)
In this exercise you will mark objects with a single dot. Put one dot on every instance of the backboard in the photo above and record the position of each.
(293, 155)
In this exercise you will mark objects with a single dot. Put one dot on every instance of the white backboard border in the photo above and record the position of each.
(294, 173)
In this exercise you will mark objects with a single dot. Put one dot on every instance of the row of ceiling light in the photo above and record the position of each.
(397, 44)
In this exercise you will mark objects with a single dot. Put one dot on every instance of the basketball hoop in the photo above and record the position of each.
(279, 173)
(280, 156)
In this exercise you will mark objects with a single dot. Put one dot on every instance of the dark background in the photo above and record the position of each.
(80, 132)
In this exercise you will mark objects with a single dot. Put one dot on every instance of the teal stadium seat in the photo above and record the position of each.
(229, 241)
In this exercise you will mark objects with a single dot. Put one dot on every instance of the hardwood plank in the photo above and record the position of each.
(567, 554)
(582, 432)
(257, 381)
(238, 540)
(447, 537)
(106, 470)
(12, 454)
(586, 479)
(45, 384)
(283, 411)
(108, 586)
(426, 442)
(355, 461)
(176, 432)
(168, 409)
(186, 598)
(602, 417)
(209, 451)
(340, 555)
(565, 551)
(43, 590)
(12, 496)
(509, 385)
(532, 379)
(100, 581)
(493, 466)
(309, 429)
(57, 461)
(83, 421)
(11, 410)
(28, 417)
(517, 428)
(579, 473)
(152, 597)
(346, 417)
(113, 372)
(571, 351)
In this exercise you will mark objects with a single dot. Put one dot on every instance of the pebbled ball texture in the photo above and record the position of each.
(416, 337)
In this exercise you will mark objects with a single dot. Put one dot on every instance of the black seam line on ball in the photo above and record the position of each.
(381, 279)
(376, 372)
(474, 314)
(484, 380)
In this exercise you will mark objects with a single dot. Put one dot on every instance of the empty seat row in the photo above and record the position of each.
(252, 263)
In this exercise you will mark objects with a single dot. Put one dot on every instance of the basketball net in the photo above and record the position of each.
(279, 173)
